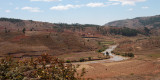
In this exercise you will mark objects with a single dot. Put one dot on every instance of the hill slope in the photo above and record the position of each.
(150, 22)
(27, 38)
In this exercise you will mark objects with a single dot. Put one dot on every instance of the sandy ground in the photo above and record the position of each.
(132, 69)
(123, 68)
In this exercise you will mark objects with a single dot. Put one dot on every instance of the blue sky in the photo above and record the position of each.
(78, 11)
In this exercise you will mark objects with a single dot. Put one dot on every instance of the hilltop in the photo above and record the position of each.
(139, 22)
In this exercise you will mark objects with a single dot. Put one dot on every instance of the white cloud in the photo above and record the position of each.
(7, 11)
(31, 9)
(102, 4)
(46, 0)
(145, 7)
(114, 3)
(66, 7)
(128, 2)
(111, 3)
(131, 9)
(96, 5)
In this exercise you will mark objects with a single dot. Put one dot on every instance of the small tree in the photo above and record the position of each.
(147, 31)
(9, 31)
(6, 30)
(82, 60)
(89, 58)
(130, 54)
(68, 61)
(31, 29)
(24, 29)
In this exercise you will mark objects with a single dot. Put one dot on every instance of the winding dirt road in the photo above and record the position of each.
(114, 58)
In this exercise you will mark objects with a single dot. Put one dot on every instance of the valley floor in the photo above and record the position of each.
(142, 67)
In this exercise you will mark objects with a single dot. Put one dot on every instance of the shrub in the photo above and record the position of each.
(44, 67)
(99, 57)
(89, 58)
(130, 55)
(99, 50)
(68, 61)
(24, 30)
(102, 49)
(112, 51)
(117, 53)
(82, 60)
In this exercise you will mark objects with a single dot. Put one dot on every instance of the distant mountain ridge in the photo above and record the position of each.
(18, 25)
(11, 23)
(139, 22)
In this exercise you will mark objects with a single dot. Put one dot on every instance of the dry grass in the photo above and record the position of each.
(17, 44)
(119, 69)
(85, 55)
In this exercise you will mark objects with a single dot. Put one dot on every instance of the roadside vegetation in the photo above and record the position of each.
(84, 59)
(104, 45)
(125, 54)
(103, 48)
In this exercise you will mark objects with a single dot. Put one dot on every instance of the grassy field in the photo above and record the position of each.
(107, 43)
(104, 45)
(154, 56)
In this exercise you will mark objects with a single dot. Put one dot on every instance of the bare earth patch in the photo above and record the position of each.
(124, 70)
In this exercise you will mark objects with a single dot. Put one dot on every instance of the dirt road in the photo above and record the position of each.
(114, 58)
(122, 69)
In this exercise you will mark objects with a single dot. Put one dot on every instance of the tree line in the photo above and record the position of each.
(12, 20)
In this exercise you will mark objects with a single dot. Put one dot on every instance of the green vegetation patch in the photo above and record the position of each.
(124, 54)
(107, 43)
(12, 20)
(124, 31)
(154, 56)
(104, 45)
(102, 49)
